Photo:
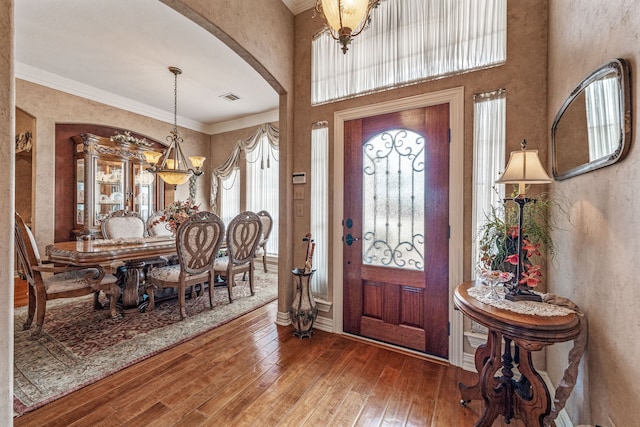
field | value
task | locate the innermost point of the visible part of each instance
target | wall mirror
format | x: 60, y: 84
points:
x: 593, y: 127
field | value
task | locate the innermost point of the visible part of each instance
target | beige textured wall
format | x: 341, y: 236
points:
x: 24, y: 169
x: 49, y: 107
x: 523, y: 77
x: 7, y: 191
x: 598, y: 246
x: 261, y: 32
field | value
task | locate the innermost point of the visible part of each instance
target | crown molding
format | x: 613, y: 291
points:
x: 54, y: 81
x: 72, y: 87
x: 244, y: 122
x: 298, y: 6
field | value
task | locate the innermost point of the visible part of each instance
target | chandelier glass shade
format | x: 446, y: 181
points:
x: 345, y: 18
x: 173, y: 167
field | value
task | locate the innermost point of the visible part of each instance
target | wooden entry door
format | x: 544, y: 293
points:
x: 396, y: 228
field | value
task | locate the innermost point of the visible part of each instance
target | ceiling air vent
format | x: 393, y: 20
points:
x: 230, y: 96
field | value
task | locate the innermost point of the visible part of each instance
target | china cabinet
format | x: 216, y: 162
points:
x: 110, y: 175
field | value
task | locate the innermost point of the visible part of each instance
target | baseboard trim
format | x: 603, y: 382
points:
x: 323, y: 305
x: 282, y: 318
x: 323, y: 324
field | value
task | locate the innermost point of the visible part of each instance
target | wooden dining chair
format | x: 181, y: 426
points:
x: 47, y: 281
x: 197, y: 243
x: 243, y: 236
x: 267, y: 226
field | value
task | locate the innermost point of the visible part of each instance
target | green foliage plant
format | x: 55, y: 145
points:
x: 498, y: 236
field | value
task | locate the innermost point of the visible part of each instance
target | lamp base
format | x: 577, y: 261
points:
x: 520, y: 294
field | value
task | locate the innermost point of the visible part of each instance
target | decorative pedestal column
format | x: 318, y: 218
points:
x: 303, y: 311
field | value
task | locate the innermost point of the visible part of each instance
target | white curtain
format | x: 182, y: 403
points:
x: 242, y: 147
x: 230, y: 196
x: 408, y: 41
x: 603, y: 117
x: 262, y: 185
x: 489, y: 124
x: 319, y: 197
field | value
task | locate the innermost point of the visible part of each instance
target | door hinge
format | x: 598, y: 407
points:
x: 448, y: 329
x: 449, y: 135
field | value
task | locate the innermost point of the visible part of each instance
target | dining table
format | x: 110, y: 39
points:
x: 136, y: 253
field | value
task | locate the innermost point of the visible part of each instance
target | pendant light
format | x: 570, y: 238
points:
x: 173, y: 167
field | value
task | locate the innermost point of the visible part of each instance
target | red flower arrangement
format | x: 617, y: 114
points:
x: 498, y: 240
x: 176, y: 213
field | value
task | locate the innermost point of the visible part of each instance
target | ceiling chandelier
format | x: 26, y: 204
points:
x: 346, y: 18
x: 173, y: 168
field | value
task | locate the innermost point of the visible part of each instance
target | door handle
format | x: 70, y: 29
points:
x: 349, y: 239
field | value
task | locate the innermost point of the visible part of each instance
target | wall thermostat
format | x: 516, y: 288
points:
x: 299, y: 177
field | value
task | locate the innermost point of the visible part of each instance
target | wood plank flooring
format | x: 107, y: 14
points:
x: 251, y: 372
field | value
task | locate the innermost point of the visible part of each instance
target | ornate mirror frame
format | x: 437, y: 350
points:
x: 572, y: 137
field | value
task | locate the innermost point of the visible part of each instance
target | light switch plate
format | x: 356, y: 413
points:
x: 299, y: 177
x: 298, y: 193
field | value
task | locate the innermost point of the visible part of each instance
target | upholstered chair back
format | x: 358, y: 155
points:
x: 267, y: 225
x: 156, y: 226
x: 123, y: 224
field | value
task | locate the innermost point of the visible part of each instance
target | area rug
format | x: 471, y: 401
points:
x: 80, y: 346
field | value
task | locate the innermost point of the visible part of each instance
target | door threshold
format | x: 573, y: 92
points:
x: 398, y: 349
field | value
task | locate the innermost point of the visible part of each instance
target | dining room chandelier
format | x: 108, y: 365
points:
x: 346, y: 18
x: 173, y: 167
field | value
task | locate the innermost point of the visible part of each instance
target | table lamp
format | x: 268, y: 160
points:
x: 524, y: 168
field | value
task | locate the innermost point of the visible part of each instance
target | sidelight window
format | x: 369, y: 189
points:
x: 489, y: 124
x: 320, y: 207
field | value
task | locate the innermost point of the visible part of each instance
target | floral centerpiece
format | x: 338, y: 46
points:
x: 498, y: 240
x: 176, y: 213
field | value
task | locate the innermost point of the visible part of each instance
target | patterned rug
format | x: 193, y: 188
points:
x: 80, y: 345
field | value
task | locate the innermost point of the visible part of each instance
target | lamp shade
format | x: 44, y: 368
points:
x: 152, y: 157
x: 345, y: 13
x: 524, y: 167
x: 174, y: 177
x: 197, y: 161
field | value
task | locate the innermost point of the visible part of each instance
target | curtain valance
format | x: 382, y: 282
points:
x: 242, y: 147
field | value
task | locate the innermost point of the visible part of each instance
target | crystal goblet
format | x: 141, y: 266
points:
x: 494, y: 278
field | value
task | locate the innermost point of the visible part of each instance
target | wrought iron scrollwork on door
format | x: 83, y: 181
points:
x: 393, y: 200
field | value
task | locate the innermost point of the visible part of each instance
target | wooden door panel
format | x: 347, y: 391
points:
x: 402, y: 335
x: 390, y: 275
x: 411, y: 306
x: 392, y: 293
x: 373, y: 299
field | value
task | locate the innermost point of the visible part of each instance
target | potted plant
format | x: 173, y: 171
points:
x: 498, y: 239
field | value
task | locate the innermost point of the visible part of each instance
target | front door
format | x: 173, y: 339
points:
x: 396, y: 227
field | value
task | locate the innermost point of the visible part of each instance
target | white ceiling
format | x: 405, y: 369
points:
x: 118, y: 52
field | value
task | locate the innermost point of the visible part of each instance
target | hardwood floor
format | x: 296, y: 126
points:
x: 251, y: 372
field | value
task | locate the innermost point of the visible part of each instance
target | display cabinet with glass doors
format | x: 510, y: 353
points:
x: 109, y: 176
